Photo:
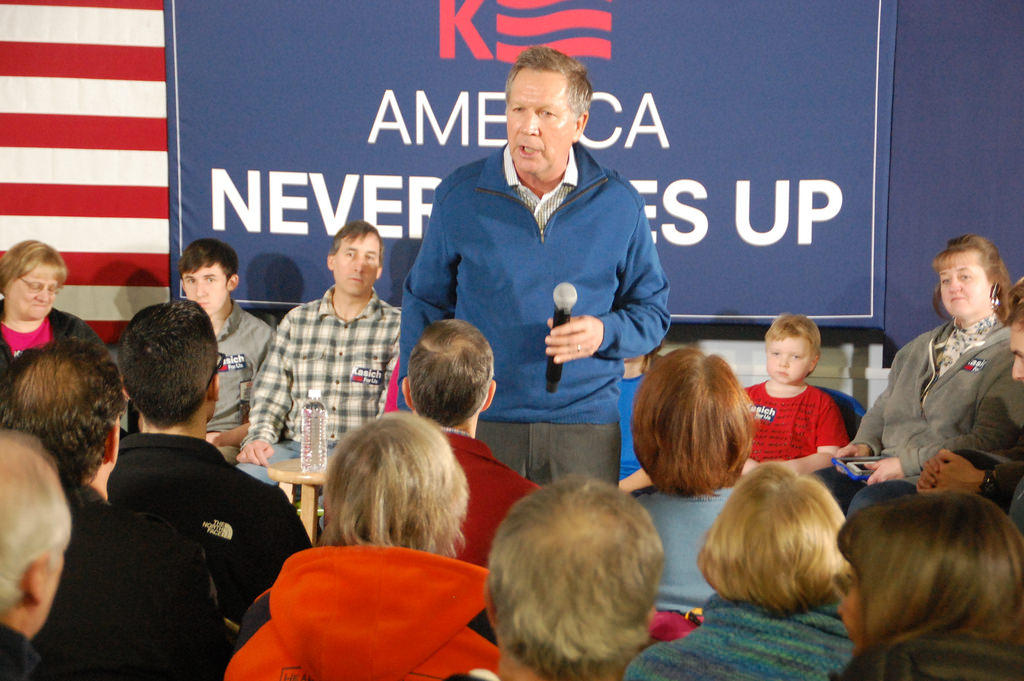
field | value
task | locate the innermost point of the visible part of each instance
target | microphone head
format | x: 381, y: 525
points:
x: 565, y: 296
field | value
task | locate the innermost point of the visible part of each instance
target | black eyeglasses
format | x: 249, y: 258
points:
x: 220, y: 364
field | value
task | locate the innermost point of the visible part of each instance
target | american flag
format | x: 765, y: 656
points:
x: 83, y: 148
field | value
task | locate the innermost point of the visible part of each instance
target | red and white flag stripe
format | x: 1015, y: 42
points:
x: 83, y: 148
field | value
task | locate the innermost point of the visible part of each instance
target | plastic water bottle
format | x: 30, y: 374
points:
x: 313, y: 455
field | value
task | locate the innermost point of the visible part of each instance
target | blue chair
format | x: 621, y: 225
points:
x: 850, y: 409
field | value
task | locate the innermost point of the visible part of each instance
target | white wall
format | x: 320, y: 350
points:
x: 851, y: 361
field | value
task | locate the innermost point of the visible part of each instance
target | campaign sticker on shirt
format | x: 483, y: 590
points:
x: 975, y: 365
x: 234, y: 362
x: 368, y: 376
x: 763, y: 413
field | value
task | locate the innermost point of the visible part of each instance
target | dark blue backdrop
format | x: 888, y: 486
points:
x: 320, y: 107
x: 957, y: 145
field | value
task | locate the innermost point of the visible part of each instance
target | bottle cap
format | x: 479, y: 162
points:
x: 314, y: 394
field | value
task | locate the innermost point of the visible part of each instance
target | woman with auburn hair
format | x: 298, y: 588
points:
x: 949, y: 388
x: 31, y: 275
x: 692, y: 432
x: 771, y: 556
x: 936, y: 590
x: 381, y: 597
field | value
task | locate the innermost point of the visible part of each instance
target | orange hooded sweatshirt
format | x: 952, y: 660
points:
x: 360, y: 612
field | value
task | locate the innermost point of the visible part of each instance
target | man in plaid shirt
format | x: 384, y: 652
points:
x: 345, y: 345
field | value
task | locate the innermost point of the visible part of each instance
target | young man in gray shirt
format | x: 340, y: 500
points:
x: 209, y: 273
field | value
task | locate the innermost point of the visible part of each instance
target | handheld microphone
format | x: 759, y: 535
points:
x: 565, y: 298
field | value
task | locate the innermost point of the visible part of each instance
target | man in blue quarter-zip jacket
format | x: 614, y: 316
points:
x: 506, y: 230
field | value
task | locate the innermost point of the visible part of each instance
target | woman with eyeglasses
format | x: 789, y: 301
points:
x: 31, y: 274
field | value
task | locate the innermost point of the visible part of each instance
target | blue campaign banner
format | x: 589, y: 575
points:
x: 757, y: 133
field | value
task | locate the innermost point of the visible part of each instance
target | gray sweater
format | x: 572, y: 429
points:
x: 974, y: 405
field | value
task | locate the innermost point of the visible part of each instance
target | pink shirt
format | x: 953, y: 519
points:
x: 19, y: 342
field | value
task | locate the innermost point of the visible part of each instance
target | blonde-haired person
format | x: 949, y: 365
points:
x: 936, y: 591
x: 31, y: 275
x: 949, y: 388
x: 797, y: 424
x: 771, y: 555
x: 692, y: 429
x: 381, y: 596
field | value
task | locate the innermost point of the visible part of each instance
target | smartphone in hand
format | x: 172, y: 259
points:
x: 854, y: 466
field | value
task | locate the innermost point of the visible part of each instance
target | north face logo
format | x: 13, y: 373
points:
x: 528, y: 22
x: 219, y: 528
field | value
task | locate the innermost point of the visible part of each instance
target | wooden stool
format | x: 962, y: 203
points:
x: 287, y: 473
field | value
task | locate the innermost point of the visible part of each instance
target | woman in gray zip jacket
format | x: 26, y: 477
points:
x: 950, y: 388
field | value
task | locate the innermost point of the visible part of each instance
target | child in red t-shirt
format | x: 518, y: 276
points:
x: 798, y: 424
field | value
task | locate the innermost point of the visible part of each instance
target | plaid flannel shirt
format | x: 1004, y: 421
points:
x: 350, y: 362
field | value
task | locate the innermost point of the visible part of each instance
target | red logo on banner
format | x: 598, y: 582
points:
x: 529, y: 22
